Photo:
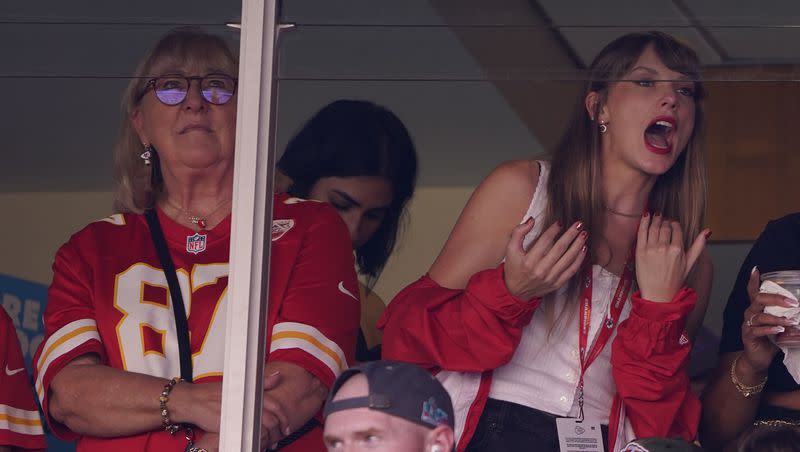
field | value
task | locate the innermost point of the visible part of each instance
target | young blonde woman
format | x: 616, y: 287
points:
x: 572, y: 288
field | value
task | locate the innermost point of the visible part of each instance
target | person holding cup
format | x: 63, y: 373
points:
x: 751, y: 384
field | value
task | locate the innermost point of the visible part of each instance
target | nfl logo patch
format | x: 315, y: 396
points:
x: 281, y: 227
x: 196, y: 243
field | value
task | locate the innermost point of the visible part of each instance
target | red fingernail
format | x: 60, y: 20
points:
x: 708, y: 234
x: 646, y: 214
x: 584, y: 234
x: 579, y: 225
x: 755, y: 269
x: 583, y: 249
x: 658, y: 214
x: 529, y: 220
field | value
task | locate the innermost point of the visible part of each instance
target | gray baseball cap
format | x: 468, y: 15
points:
x: 398, y: 389
x: 661, y: 445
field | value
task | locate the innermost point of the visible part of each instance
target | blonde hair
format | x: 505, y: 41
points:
x: 136, y: 188
x: 574, y: 187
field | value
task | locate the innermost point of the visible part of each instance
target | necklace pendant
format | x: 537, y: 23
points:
x: 201, y: 222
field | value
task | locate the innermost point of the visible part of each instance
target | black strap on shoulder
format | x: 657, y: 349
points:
x: 181, y: 322
x: 294, y: 436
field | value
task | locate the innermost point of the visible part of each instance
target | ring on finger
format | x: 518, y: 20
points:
x: 750, y: 320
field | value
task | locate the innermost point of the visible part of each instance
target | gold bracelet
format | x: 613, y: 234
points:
x: 746, y: 391
x: 162, y: 404
x: 775, y: 423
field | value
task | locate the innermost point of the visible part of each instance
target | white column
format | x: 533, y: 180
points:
x: 250, y: 227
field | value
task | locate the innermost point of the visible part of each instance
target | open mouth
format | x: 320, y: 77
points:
x: 658, y: 135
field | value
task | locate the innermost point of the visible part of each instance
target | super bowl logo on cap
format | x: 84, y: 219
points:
x: 281, y: 227
x: 432, y: 414
x: 196, y: 243
x: 633, y: 446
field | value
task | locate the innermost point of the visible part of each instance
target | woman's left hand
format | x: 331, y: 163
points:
x: 662, y: 262
x: 209, y: 442
x: 274, y: 419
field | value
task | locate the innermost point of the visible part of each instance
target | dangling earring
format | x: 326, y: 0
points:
x: 147, y: 154
x: 603, y: 127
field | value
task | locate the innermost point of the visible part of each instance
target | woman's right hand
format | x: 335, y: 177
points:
x: 757, y: 325
x: 548, y: 264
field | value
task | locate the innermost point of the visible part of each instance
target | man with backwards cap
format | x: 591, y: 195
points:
x: 388, y: 406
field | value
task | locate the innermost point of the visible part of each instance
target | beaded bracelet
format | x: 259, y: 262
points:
x: 162, y: 403
x: 746, y: 391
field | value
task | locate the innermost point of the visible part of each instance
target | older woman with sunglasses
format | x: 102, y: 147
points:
x: 135, y: 323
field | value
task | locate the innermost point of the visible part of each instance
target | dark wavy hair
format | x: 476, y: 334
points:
x: 351, y: 138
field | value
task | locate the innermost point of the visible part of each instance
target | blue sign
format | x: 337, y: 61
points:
x: 24, y: 301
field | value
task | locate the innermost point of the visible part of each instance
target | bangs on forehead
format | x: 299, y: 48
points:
x: 192, y: 53
x: 678, y: 58
x: 618, y: 58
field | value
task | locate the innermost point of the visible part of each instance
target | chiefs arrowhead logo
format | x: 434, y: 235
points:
x: 281, y: 227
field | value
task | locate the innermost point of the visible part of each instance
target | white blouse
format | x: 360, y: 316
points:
x: 544, y: 371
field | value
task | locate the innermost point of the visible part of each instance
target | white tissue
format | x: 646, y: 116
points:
x: 791, y: 356
x: 780, y: 311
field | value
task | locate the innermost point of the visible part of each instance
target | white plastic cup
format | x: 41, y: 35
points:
x: 789, y: 280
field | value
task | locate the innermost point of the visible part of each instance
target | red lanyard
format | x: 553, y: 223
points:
x: 617, y: 303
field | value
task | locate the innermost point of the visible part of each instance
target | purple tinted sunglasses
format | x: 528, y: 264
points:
x: 217, y: 89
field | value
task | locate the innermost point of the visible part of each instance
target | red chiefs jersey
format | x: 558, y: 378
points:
x: 109, y: 296
x: 20, y: 424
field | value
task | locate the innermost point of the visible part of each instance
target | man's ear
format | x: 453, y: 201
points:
x: 441, y: 439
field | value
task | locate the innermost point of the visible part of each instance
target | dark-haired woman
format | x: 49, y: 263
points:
x: 359, y: 157
x: 752, y: 385
x: 570, y: 290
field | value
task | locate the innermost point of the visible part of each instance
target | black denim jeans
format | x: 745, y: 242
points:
x: 510, y: 427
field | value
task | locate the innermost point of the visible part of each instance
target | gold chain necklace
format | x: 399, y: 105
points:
x: 622, y: 214
x: 197, y: 220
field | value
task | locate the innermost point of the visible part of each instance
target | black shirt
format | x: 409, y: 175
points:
x: 777, y: 248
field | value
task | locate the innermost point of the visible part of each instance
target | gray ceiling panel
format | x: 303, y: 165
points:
x: 360, y: 12
x: 759, y: 45
x: 613, y: 13
x: 406, y: 12
x: 746, y: 12
x: 140, y: 11
x: 375, y: 52
x: 587, y: 42
x: 59, y: 50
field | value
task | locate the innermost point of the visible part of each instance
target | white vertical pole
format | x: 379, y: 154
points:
x: 252, y: 214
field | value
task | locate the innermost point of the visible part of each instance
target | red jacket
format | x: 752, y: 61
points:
x: 464, y: 335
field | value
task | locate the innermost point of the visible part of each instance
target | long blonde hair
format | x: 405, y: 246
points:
x: 575, y: 185
x: 135, y: 187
